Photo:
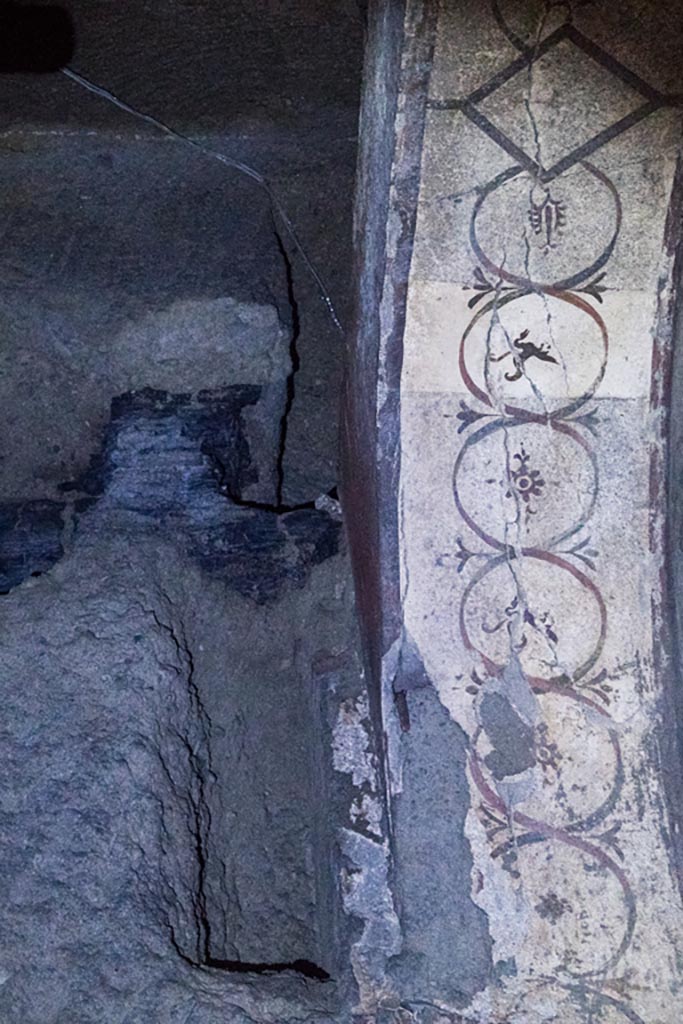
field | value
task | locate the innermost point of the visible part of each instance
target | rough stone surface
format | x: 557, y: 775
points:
x: 446, y: 948
x: 177, y: 821
x: 157, y: 797
x: 119, y: 224
x: 185, y: 465
x: 178, y: 640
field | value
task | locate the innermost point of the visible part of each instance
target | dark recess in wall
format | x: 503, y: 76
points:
x: 34, y: 39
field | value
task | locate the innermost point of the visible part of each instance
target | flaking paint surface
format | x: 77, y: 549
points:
x: 527, y: 443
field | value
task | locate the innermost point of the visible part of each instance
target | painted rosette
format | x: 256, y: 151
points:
x: 573, y: 776
x: 525, y: 484
x: 547, y: 858
x: 582, y: 918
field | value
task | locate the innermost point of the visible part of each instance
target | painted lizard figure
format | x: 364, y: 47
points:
x: 525, y: 350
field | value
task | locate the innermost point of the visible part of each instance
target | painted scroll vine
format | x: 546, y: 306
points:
x: 526, y: 434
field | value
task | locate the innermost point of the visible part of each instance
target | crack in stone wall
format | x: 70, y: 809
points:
x: 179, y: 616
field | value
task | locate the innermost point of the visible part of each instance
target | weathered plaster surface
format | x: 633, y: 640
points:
x: 536, y: 339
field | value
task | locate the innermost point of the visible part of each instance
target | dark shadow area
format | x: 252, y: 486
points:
x: 304, y: 967
x: 35, y: 39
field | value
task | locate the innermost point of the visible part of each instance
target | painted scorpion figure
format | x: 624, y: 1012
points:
x: 547, y: 218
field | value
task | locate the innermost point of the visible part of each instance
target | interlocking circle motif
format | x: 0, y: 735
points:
x: 526, y: 483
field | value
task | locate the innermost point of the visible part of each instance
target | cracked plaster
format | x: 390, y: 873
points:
x: 525, y: 523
